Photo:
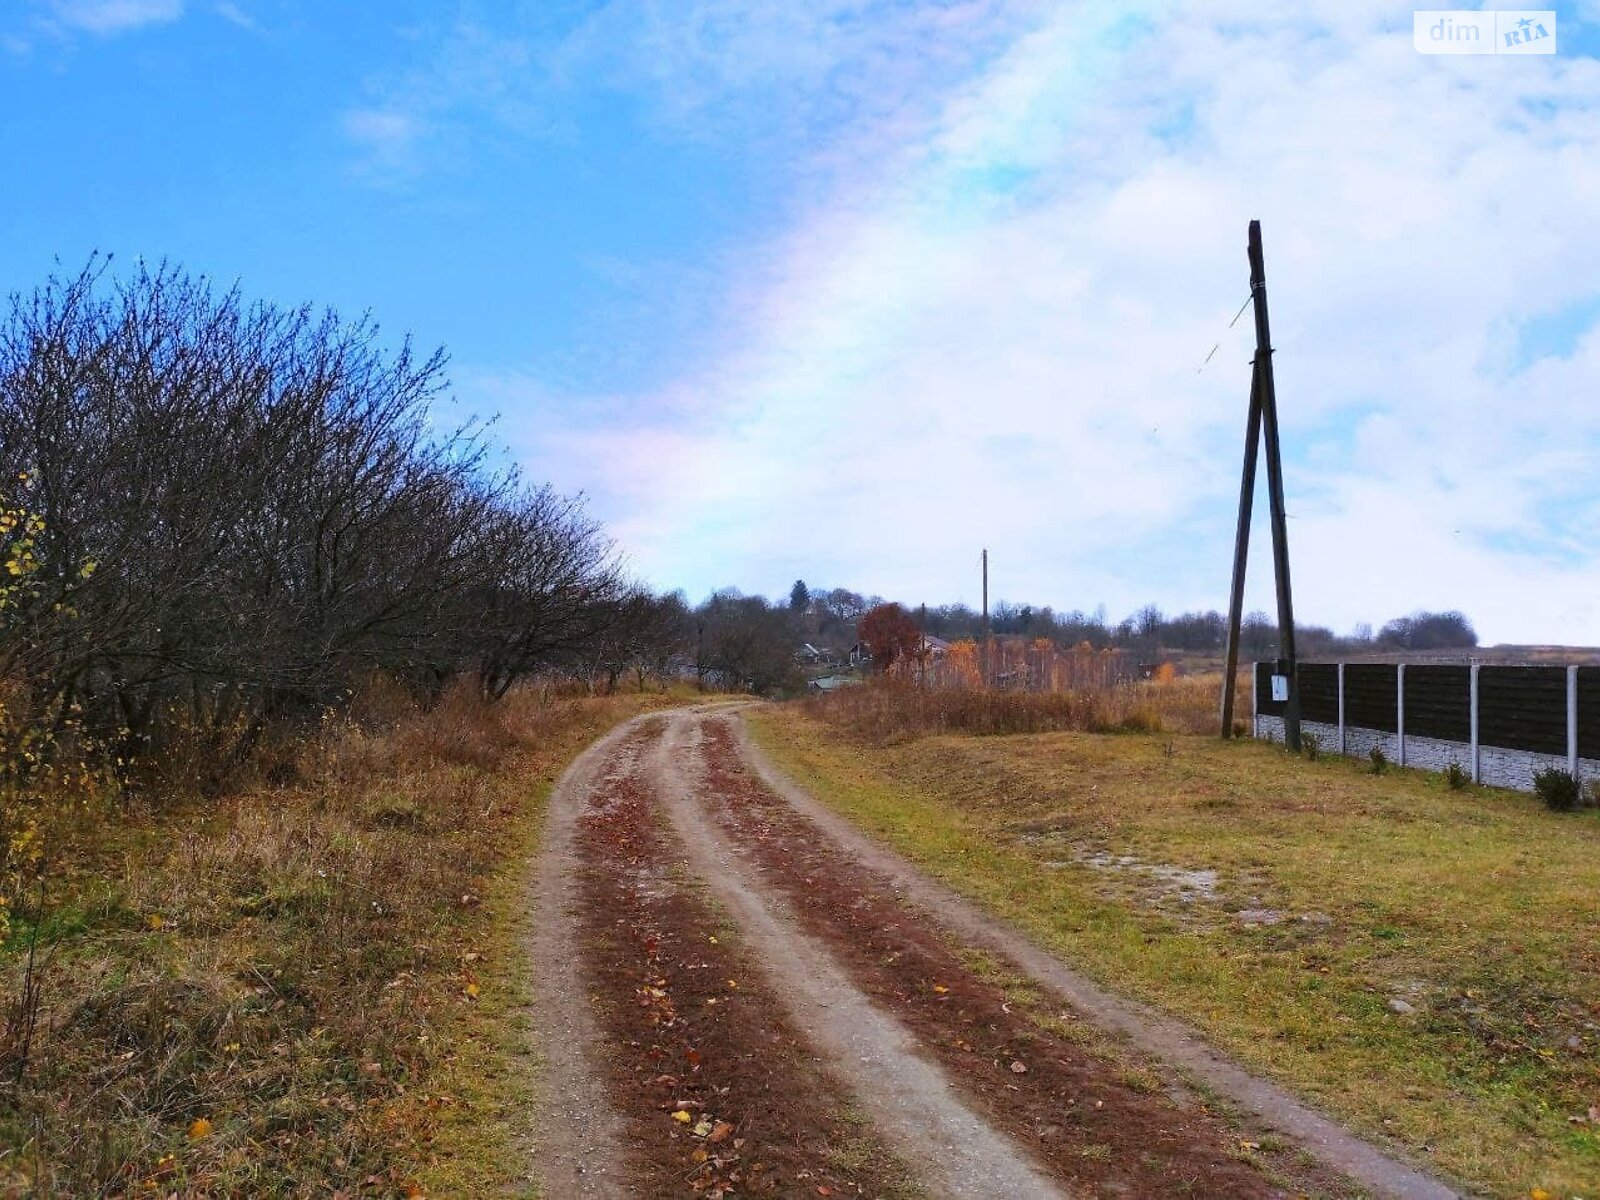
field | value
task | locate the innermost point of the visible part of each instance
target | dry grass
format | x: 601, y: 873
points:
x: 1476, y: 909
x: 300, y: 988
x: 888, y: 711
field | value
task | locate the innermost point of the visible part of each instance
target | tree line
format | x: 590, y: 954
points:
x: 234, y: 511
x: 222, y: 514
x: 831, y: 616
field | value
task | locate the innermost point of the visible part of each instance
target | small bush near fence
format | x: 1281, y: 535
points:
x: 1456, y: 777
x: 1560, y: 791
x: 1380, y: 761
x: 893, y: 710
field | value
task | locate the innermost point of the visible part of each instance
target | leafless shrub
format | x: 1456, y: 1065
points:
x: 269, y: 513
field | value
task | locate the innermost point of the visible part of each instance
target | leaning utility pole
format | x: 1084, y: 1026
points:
x: 1241, y: 553
x: 983, y: 658
x: 922, y: 646
x: 1263, y: 420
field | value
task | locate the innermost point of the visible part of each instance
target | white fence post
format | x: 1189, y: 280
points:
x: 1341, y: 708
x: 1400, y: 708
x: 1255, y: 699
x: 1572, y: 721
x: 1477, y: 772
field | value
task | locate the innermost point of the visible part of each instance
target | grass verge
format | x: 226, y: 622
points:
x: 1420, y: 962
x: 305, y: 988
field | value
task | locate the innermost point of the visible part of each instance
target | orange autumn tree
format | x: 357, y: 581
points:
x: 890, y: 635
x: 961, y: 665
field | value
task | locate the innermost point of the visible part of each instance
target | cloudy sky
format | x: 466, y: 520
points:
x: 849, y: 291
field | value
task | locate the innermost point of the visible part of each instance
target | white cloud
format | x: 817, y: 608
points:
x: 988, y: 333
x: 779, y: 80
x: 387, y: 139
x: 235, y: 15
x: 105, y: 17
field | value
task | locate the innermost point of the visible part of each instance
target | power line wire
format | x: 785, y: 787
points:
x: 1231, y: 324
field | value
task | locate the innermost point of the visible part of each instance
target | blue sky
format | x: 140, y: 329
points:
x: 848, y: 291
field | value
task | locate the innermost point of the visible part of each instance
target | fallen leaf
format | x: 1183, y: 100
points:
x: 940, y: 988
x: 1540, y: 1194
x: 682, y: 1116
x: 155, y: 920
x: 472, y: 991
x: 702, y: 1127
x: 721, y: 1132
x: 199, y: 1129
x: 1019, y: 1067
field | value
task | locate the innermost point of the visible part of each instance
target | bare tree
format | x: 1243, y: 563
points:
x: 746, y: 641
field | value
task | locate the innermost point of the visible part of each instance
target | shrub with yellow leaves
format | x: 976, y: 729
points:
x: 47, y: 768
x: 19, y: 830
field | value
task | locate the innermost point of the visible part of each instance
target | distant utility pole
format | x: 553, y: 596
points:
x: 922, y: 639
x: 983, y: 659
x: 1263, y: 419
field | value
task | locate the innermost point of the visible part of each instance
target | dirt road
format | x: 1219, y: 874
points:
x: 740, y: 996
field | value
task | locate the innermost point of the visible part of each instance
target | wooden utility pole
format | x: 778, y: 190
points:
x: 1241, y: 553
x: 922, y: 646
x: 983, y: 658
x: 1263, y: 416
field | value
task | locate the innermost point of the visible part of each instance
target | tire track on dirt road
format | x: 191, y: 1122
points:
x: 1100, y: 1122
x: 1161, y: 1037
x: 577, y: 1132
x: 671, y: 1070
x: 912, y: 1103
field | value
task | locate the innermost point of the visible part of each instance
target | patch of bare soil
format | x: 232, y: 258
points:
x: 1097, y: 1128
x: 718, y: 1094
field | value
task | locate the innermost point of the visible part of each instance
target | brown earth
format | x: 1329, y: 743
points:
x: 718, y: 1093
x: 743, y: 1007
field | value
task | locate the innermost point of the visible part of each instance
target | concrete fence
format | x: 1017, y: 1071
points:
x: 1502, y: 724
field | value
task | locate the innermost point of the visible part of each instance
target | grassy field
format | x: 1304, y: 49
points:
x: 314, y: 986
x: 1423, y: 962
